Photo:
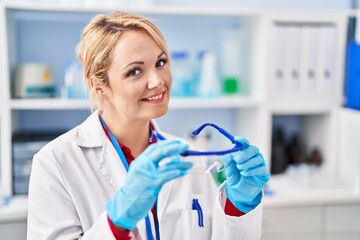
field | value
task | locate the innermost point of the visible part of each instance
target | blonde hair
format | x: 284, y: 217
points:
x: 99, y: 39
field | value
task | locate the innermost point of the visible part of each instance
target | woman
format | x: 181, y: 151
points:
x: 81, y: 184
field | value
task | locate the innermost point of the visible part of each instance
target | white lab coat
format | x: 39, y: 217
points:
x: 77, y: 173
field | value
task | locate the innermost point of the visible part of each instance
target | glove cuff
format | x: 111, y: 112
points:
x: 119, y: 216
x: 245, y: 207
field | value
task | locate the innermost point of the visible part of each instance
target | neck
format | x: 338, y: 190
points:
x: 133, y: 134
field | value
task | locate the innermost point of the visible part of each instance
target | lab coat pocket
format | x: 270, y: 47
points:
x: 196, y: 222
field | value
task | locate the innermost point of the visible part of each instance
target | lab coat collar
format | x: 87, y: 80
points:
x: 89, y: 132
x: 92, y: 135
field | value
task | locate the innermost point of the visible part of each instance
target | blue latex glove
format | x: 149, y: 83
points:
x: 134, y: 200
x: 246, y: 174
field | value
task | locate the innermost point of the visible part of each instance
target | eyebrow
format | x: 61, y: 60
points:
x: 161, y: 54
x: 141, y: 62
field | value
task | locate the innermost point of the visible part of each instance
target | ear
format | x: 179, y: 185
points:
x: 97, y: 87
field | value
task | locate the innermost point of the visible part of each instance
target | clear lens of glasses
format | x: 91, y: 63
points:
x: 214, y: 162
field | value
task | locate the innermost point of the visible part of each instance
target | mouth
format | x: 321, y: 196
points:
x: 155, y: 98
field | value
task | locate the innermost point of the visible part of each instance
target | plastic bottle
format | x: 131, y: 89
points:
x: 279, y: 160
x: 181, y: 74
x: 73, y: 81
x: 209, y: 84
x: 196, y: 65
x: 231, y: 59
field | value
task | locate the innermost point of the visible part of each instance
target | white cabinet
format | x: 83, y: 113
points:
x: 301, y: 222
x: 13, y: 230
x: 349, y: 150
x: 342, y: 221
x: 317, y: 221
x: 13, y: 219
x: 342, y: 237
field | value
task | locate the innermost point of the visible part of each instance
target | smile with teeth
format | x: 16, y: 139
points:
x: 154, y: 97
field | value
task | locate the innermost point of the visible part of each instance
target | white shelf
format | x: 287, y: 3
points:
x: 175, y: 103
x: 287, y: 193
x: 312, y: 197
x: 48, y: 104
x: 299, y: 109
x: 221, y: 102
x: 151, y: 9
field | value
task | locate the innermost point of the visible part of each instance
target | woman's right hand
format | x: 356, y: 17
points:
x: 134, y: 200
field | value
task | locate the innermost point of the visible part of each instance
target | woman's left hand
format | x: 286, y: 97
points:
x: 246, y: 174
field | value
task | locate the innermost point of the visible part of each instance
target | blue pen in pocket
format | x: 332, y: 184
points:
x: 196, y: 206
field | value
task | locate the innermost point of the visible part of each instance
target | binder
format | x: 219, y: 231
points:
x: 276, y: 85
x: 326, y: 59
x: 352, y: 86
x: 309, y: 58
x: 292, y: 59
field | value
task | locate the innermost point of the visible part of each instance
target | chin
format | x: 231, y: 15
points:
x: 160, y: 112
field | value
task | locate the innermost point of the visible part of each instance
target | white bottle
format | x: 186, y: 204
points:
x: 209, y: 84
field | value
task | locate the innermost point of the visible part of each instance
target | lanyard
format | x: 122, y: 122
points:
x: 126, y: 165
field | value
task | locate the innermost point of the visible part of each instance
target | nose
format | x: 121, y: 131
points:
x: 155, y: 80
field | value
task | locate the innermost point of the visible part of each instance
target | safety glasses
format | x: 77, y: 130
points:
x: 237, y: 146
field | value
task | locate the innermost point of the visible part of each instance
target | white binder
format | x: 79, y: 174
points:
x: 326, y: 59
x: 309, y: 59
x: 292, y: 59
x: 276, y: 83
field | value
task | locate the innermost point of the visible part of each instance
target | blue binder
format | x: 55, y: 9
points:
x: 352, y: 86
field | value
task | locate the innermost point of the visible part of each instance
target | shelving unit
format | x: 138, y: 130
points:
x: 26, y: 26
x: 33, y: 30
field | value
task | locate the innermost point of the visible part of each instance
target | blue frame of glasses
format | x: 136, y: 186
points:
x: 237, y: 146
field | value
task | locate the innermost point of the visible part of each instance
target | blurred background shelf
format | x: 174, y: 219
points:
x: 175, y: 103
x: 206, y: 103
x: 49, y: 104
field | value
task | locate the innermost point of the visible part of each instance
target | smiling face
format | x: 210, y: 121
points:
x: 139, y: 79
